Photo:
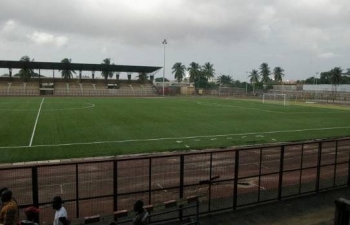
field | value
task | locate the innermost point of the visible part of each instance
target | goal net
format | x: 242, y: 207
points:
x: 231, y: 91
x: 274, y: 98
x: 225, y: 91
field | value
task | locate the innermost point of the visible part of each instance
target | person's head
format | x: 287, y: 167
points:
x: 57, y: 202
x: 6, y: 195
x: 138, y: 206
x: 32, y: 214
x: 3, y: 189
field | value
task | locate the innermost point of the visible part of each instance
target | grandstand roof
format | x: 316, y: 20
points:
x: 76, y: 66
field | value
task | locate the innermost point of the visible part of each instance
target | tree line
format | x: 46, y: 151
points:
x: 334, y: 76
x: 262, y: 78
x: 200, y: 75
x: 203, y: 75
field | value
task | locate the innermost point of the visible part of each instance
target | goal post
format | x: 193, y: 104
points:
x: 225, y: 91
x: 274, y: 98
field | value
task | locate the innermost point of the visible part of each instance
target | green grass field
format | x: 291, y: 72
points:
x: 56, y: 128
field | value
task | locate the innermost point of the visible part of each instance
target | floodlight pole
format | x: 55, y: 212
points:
x: 246, y: 84
x: 164, y: 43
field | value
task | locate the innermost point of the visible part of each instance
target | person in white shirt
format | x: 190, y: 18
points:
x: 61, y: 217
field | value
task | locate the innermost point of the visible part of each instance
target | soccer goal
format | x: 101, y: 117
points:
x: 225, y: 91
x: 274, y: 98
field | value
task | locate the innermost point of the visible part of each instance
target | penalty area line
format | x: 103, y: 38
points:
x: 36, y: 122
x: 175, y: 138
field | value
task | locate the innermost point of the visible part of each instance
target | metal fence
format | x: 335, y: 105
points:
x: 229, y: 179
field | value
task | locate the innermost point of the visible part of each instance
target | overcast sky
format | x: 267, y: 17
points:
x: 301, y: 36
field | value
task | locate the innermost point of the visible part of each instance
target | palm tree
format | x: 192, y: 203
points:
x: 67, y: 73
x: 194, y: 71
x: 26, y: 72
x: 224, y: 80
x: 335, y: 78
x: 336, y: 74
x: 278, y: 73
x: 179, y: 71
x: 208, y: 70
x: 254, y: 78
x: 106, y: 71
x: 265, y: 73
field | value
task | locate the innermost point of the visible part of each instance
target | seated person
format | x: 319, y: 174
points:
x: 142, y: 216
x: 32, y: 214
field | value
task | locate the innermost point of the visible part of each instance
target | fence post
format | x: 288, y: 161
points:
x: 318, y: 167
x: 35, y: 186
x: 210, y: 176
x: 260, y: 168
x: 335, y: 164
x: 341, y: 216
x: 280, y: 180
x: 115, y: 185
x: 182, y: 172
x: 349, y: 170
x: 181, y: 191
x: 77, y: 188
x: 235, y: 188
x: 149, y: 180
x: 197, y: 210
x: 301, y: 167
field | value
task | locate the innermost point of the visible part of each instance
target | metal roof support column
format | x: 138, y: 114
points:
x: 129, y: 76
x: 117, y: 75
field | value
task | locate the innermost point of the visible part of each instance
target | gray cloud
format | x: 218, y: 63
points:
x: 235, y: 35
x: 132, y: 21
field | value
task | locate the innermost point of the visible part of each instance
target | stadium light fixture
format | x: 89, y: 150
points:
x: 164, y: 43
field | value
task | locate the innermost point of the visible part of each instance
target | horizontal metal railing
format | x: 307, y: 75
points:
x: 229, y: 178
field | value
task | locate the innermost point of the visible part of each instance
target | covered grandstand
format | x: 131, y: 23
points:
x: 80, y: 86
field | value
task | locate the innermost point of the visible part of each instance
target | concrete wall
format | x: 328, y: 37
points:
x: 327, y: 87
x: 314, y: 87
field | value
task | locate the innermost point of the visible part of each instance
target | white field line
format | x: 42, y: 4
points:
x: 233, y: 106
x: 89, y: 105
x: 264, y: 110
x: 36, y: 122
x: 176, y: 138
